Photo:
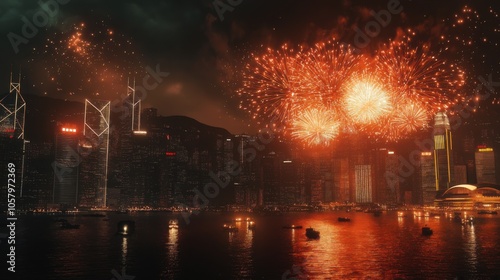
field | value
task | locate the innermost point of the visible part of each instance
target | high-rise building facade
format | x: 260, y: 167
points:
x: 427, y: 178
x: 363, y: 183
x: 485, y: 165
x: 66, y: 166
x: 443, y: 152
x: 341, y: 179
x: 95, y: 150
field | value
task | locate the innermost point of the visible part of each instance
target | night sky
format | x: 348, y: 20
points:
x: 89, y: 49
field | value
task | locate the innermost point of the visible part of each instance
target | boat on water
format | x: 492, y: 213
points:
x: 173, y: 224
x: 126, y: 227
x: 251, y: 225
x: 491, y: 212
x: 312, y: 234
x: 343, y: 219
x: 292, y: 227
x: 468, y: 221
x: 426, y: 230
x: 67, y: 225
x: 230, y: 228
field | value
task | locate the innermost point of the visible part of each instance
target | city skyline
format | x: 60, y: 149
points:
x: 356, y: 170
x: 250, y: 139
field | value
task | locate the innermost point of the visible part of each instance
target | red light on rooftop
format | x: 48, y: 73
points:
x: 70, y: 130
x: 170, y: 154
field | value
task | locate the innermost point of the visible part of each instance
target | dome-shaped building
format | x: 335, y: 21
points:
x: 470, y: 196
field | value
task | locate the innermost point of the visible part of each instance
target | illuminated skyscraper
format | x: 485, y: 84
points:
x: 66, y: 167
x: 427, y: 178
x: 485, y: 165
x: 95, y: 151
x: 443, y: 157
x: 363, y: 183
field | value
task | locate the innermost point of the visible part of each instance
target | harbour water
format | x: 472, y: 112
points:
x: 367, y: 247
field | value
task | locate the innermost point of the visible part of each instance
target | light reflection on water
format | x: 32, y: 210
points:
x: 124, y: 251
x: 172, y: 263
x: 368, y: 247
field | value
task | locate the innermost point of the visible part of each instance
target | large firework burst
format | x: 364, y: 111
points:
x: 315, y: 126
x: 388, y: 96
x: 366, y: 100
x: 419, y: 75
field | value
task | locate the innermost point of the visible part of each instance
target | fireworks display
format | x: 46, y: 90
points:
x: 388, y: 95
x: 85, y: 59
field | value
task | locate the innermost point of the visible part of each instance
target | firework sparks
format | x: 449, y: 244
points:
x: 419, y: 75
x: 270, y: 87
x: 323, y: 70
x: 85, y: 58
x: 405, y: 119
x: 316, y: 126
x: 388, y: 96
x: 366, y: 101
x: 77, y: 43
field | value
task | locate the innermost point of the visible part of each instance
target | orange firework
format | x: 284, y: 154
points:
x: 77, y: 43
x: 281, y: 82
x: 271, y: 86
x: 366, y: 100
x: 421, y: 76
x: 315, y: 126
x: 405, y: 119
x: 324, y: 69
x: 389, y: 96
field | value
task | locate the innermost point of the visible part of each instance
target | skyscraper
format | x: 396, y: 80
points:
x: 66, y: 167
x: 363, y: 183
x: 443, y: 157
x: 485, y: 165
x: 95, y: 151
x: 427, y: 178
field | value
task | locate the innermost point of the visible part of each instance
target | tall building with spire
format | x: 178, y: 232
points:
x: 443, y: 156
x: 12, y: 140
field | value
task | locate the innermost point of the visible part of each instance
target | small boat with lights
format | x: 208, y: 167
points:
x: 173, y: 224
x: 230, y: 228
x: 312, y: 234
x: 251, y: 225
x: 126, y: 227
x: 292, y: 227
x: 468, y: 221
